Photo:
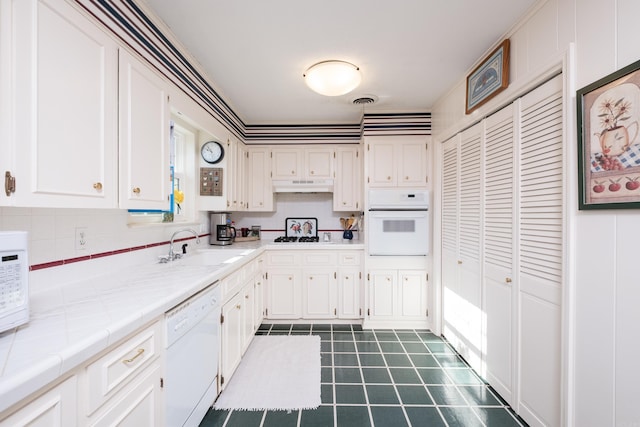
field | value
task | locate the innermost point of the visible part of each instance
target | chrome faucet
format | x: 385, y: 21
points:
x: 172, y: 254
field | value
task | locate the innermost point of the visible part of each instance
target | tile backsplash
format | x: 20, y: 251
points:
x: 55, y: 234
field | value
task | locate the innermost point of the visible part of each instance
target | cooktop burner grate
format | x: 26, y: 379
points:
x: 292, y: 239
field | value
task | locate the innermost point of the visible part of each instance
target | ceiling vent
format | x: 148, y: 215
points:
x: 365, y: 100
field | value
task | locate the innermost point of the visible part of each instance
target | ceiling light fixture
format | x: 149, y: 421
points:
x: 332, y: 78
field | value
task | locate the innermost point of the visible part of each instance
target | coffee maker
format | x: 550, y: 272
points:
x: 222, y: 233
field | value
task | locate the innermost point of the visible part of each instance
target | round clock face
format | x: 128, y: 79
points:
x: 212, y: 152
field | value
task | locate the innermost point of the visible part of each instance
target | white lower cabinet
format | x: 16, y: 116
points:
x: 241, y: 316
x: 349, y: 285
x: 139, y: 405
x: 397, y: 295
x: 232, y: 333
x: 258, y: 301
x: 123, y: 387
x: 314, y: 284
x: 55, y: 407
x: 319, y: 298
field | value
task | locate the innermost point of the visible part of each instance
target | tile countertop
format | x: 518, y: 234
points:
x: 72, y: 323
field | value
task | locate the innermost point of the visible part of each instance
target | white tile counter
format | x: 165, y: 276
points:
x: 70, y: 324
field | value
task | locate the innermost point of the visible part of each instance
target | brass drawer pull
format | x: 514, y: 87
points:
x: 138, y: 354
x: 97, y: 186
x: 508, y: 280
x: 136, y: 190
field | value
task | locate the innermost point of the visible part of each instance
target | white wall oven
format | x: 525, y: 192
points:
x: 398, y: 222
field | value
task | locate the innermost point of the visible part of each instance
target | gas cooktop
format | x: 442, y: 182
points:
x: 293, y: 239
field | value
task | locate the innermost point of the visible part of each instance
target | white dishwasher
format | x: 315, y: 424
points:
x: 192, y: 342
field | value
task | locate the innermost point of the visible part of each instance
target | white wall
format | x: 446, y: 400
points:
x: 602, y: 282
x: 52, y: 238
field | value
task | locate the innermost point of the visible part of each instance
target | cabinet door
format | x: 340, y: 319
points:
x: 382, y: 163
x: 61, y: 121
x: 450, y: 213
x: 232, y: 335
x: 318, y: 163
x: 140, y: 406
x: 258, y: 301
x: 319, y: 294
x: 412, y: 166
x: 240, y: 177
x: 260, y: 197
x: 285, y: 163
x: 56, y: 407
x: 284, y: 294
x: 382, y: 293
x: 499, y: 238
x: 145, y: 181
x: 349, y: 280
x: 347, y: 186
x: 412, y: 288
x: 247, y: 314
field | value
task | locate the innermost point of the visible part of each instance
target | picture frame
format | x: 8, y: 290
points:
x: 609, y: 142
x: 489, y: 78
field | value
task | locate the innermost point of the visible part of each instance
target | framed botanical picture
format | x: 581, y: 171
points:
x: 489, y: 78
x: 608, y: 141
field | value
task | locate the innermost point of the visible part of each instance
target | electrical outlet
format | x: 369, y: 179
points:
x: 81, y: 239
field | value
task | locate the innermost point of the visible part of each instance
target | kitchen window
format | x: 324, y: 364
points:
x: 181, y: 206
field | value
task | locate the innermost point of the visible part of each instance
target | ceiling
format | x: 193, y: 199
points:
x: 410, y: 52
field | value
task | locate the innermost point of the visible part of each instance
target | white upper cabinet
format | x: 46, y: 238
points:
x: 302, y: 163
x: 59, y: 107
x: 236, y: 172
x: 318, y: 162
x: 347, y: 186
x: 145, y: 179
x: 286, y: 163
x: 397, y: 161
x: 260, y: 193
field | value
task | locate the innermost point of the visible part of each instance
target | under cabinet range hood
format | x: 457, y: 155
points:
x: 303, y: 186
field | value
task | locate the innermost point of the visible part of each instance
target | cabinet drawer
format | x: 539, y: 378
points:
x: 327, y: 258
x: 231, y: 283
x: 284, y: 258
x: 119, y: 366
x: 349, y: 258
x: 138, y: 405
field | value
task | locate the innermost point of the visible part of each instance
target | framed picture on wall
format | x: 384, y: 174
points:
x: 489, y: 78
x: 608, y: 141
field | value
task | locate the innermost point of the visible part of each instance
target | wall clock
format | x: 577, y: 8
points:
x: 212, y: 152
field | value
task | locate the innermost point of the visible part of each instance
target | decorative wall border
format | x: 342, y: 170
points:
x: 67, y: 261
x: 127, y: 21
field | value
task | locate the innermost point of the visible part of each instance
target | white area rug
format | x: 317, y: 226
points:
x: 278, y: 372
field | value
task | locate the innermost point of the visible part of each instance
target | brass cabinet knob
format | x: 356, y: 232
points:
x: 136, y: 190
x: 508, y: 280
x: 238, y: 306
x: 388, y: 178
x: 312, y: 172
x: 459, y: 262
x: 97, y: 186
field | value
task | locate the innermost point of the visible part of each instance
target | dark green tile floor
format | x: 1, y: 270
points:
x: 384, y: 378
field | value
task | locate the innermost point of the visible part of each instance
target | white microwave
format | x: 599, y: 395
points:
x: 14, y: 279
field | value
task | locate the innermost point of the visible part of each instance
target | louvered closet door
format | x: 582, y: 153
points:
x: 499, y: 249
x: 470, y: 225
x: 541, y: 253
x: 450, y: 200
